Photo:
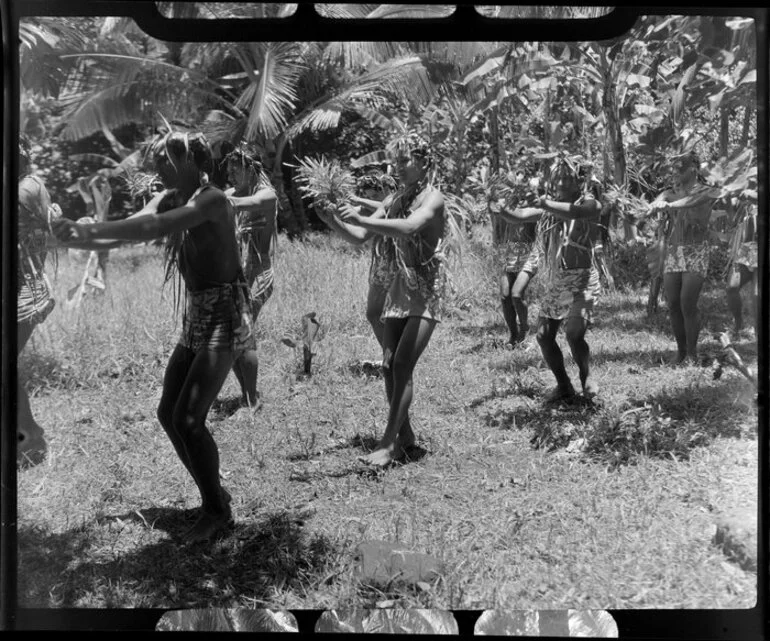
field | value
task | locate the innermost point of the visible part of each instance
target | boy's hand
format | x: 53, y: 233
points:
x: 349, y: 214
x: 67, y: 231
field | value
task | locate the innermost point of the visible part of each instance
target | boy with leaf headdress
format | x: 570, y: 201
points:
x: 202, y: 249
x: 568, y: 219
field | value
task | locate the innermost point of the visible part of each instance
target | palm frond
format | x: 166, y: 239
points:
x: 393, y: 76
x: 271, y: 94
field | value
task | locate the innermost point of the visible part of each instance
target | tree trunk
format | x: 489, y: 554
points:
x: 615, y: 136
x: 494, y: 130
x: 724, y: 131
x: 287, y: 216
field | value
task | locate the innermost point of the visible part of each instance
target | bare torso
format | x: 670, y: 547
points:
x: 209, y: 253
x: 431, y: 235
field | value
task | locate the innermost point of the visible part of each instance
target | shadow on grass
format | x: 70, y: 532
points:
x: 38, y: 370
x: 255, y: 560
x: 670, y: 424
x: 712, y: 307
x: 656, y: 358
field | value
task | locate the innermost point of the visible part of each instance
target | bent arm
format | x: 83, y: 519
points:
x: 418, y: 220
x: 262, y: 202
x: 352, y: 233
x: 371, y: 205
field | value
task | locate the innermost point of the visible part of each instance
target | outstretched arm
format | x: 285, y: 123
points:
x: 146, y: 226
x: 420, y: 218
x: 588, y: 208
x: 519, y: 215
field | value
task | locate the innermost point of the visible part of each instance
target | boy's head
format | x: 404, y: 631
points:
x: 243, y: 164
x: 375, y: 186
x: 685, y: 168
x: 178, y: 156
x: 412, y: 157
x: 564, y: 181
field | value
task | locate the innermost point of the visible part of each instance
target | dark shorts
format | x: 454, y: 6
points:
x: 219, y: 320
x: 571, y: 293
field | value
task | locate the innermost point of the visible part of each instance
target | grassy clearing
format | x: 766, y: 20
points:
x: 526, y: 507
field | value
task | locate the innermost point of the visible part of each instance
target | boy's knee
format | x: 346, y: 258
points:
x: 575, y: 330
x: 373, y: 316
x: 186, y: 423
x: 544, y: 334
x: 387, y: 360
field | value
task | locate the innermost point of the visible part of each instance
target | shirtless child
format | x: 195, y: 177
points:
x: 687, y: 209
x: 202, y: 247
x: 518, y: 271
x: 567, y: 232
x: 414, y: 227
x: 255, y: 205
x: 744, y: 263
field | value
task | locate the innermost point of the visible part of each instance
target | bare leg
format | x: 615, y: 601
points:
x: 509, y: 312
x: 375, y: 300
x: 31, y: 445
x: 691, y: 287
x: 246, y: 370
x: 733, y: 295
x: 173, y: 380
x: 546, y: 338
x: 672, y: 285
x: 575, y: 329
x: 520, y: 304
x: 374, y: 303
x: 205, y: 377
x: 404, y: 341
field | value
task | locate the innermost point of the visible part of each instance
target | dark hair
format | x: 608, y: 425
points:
x: 245, y: 156
x: 375, y: 180
x: 176, y: 146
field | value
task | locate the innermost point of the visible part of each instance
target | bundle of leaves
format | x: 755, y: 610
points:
x: 327, y: 182
x: 649, y: 429
x: 627, y: 205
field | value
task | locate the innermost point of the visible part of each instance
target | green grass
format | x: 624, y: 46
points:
x: 527, y: 507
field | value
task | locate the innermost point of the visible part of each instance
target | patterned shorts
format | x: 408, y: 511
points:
x: 571, y: 293
x: 687, y: 258
x: 516, y: 256
x: 748, y: 255
x: 419, y: 292
x: 217, y: 319
x: 34, y: 301
x: 261, y: 290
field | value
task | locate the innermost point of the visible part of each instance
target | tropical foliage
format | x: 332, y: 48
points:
x: 492, y: 110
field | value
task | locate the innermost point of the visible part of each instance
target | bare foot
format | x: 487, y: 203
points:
x: 208, y: 526
x: 254, y: 403
x: 590, y: 389
x: 381, y: 457
x: 560, y: 393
